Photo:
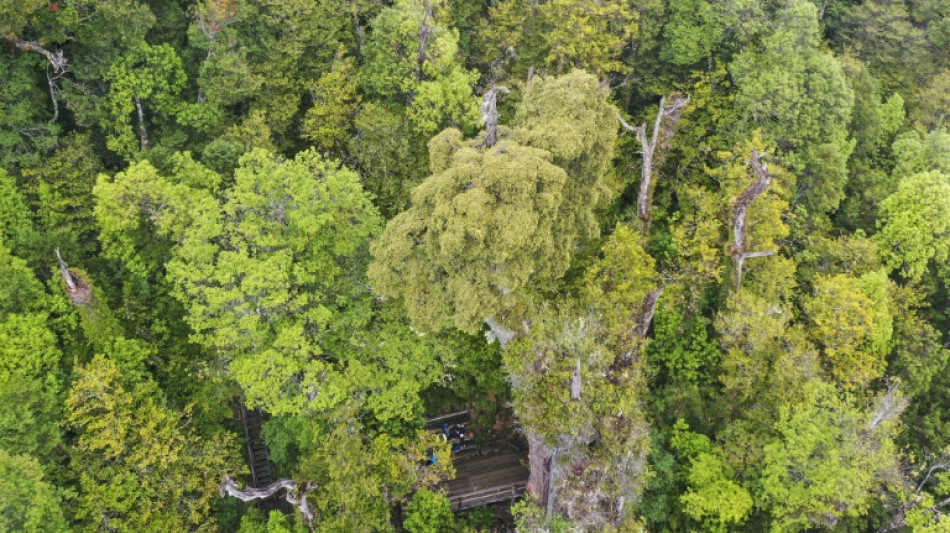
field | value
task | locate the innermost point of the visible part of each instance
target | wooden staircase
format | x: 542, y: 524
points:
x: 261, y: 472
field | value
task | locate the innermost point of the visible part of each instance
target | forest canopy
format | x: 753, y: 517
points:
x: 683, y: 264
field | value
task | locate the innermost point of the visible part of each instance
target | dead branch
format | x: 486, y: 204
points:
x: 143, y: 134
x: 889, y: 407
x: 296, y: 494
x: 662, y: 137
x: 741, y: 207
x: 489, y: 111
x: 56, y: 60
x: 70, y: 282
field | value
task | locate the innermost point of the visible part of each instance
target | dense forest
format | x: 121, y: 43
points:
x: 691, y: 257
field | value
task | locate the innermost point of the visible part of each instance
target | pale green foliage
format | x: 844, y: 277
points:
x: 915, y: 225
x: 825, y: 463
x: 713, y: 498
x: 852, y: 328
x: 30, y: 504
x: 570, y: 117
x: 139, y: 467
x: 477, y: 233
x: 493, y: 223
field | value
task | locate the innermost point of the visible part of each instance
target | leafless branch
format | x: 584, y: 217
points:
x: 70, y: 282
x: 296, y: 494
x: 661, y: 137
x: 741, y: 207
x: 57, y: 61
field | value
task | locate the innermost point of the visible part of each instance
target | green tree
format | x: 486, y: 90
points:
x: 31, y: 380
x: 429, y: 512
x: 826, y: 463
x: 915, y: 225
x: 139, y: 466
x: 411, y: 57
x: 494, y: 222
x: 30, y: 503
x: 797, y: 93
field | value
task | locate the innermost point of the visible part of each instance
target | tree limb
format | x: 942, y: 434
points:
x: 56, y: 60
x: 425, y: 31
x: 500, y: 333
x: 661, y: 137
x: 295, y: 498
x: 741, y: 207
x: 649, y: 307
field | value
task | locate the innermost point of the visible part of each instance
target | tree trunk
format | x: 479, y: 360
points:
x: 143, y: 134
x: 490, y: 114
x: 541, y: 457
x: 739, y: 253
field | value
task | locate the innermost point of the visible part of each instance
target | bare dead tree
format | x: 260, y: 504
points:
x: 741, y: 207
x: 296, y: 494
x: 77, y: 290
x: 67, y: 277
x: 661, y: 137
x: 489, y: 111
x: 58, y: 63
x: 889, y: 406
x: 143, y: 134
x: 899, y: 520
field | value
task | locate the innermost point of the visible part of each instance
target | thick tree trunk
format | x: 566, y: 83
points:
x: 490, y: 114
x: 541, y: 459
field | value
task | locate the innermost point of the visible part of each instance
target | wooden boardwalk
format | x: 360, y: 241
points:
x: 483, y: 479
